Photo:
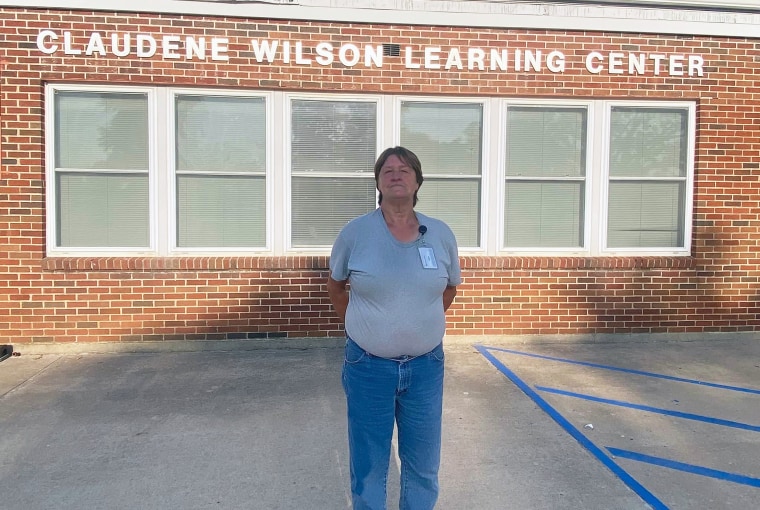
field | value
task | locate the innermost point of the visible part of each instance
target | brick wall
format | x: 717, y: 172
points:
x: 138, y: 299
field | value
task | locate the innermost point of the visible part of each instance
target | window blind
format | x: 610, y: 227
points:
x: 545, y: 177
x: 448, y: 139
x: 221, y: 171
x: 101, y: 169
x: 333, y: 150
x: 647, y: 166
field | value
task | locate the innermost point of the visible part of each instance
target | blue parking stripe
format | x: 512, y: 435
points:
x: 630, y: 371
x: 688, y: 468
x: 679, y: 414
x: 631, y: 482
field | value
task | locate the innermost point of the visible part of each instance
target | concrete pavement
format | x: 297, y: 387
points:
x: 621, y: 425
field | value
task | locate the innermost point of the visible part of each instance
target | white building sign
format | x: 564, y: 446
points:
x: 272, y: 51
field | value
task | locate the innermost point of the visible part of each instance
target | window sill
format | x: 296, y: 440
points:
x: 74, y: 264
x: 550, y: 262
x: 321, y: 262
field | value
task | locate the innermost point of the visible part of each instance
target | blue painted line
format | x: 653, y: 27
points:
x: 668, y: 412
x: 630, y: 371
x: 687, y: 468
x: 631, y: 482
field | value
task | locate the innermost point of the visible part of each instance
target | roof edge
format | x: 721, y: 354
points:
x: 539, y: 15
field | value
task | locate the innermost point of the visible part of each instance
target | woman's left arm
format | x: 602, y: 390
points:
x: 448, y: 296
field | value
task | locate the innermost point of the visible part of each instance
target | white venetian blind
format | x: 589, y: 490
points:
x: 448, y: 140
x: 545, y: 177
x: 333, y: 148
x: 543, y: 214
x: 647, y: 165
x: 101, y: 169
x: 221, y: 171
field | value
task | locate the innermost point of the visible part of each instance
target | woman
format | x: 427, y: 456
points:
x: 403, y: 270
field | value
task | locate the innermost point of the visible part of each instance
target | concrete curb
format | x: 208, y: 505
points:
x: 451, y: 342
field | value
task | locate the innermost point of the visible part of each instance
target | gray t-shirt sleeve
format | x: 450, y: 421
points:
x: 339, y: 256
x: 450, y: 245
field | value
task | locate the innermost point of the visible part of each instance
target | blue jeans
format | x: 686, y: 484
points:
x: 408, y: 390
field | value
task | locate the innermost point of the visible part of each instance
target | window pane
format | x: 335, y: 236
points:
x: 455, y: 201
x: 102, y: 210
x: 546, y: 142
x: 221, y: 137
x: 221, y: 211
x: 221, y: 134
x: 542, y: 214
x: 446, y: 137
x: 648, y: 142
x: 323, y: 205
x: 333, y: 136
x: 95, y: 130
x: 646, y: 214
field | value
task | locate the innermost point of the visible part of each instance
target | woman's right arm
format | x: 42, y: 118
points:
x: 338, y: 293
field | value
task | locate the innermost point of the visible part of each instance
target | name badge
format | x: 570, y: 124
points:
x: 427, y: 256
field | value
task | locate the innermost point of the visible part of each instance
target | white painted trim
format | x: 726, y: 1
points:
x: 694, y: 4
x: 593, y: 211
x: 169, y: 220
x: 50, y: 173
x: 486, y: 102
x: 539, y: 15
x: 50, y: 195
x: 604, y: 178
x: 287, y: 170
x: 279, y: 181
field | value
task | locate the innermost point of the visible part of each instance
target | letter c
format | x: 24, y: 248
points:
x: 42, y: 39
x: 594, y: 67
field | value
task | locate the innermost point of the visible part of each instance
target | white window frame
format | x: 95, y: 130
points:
x: 486, y: 105
x: 604, y: 179
x: 172, y: 176
x: 162, y: 179
x: 501, y: 184
x: 597, y: 179
x: 50, y: 173
x: 287, y: 187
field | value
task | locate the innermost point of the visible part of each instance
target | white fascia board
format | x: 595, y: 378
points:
x: 539, y: 15
x: 752, y: 5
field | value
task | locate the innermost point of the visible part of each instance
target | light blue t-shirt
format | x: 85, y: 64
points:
x: 395, y: 304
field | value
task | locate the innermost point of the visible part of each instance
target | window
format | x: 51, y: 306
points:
x: 448, y: 139
x: 220, y: 158
x: 333, y: 146
x: 101, y: 169
x: 647, y: 177
x: 594, y: 178
x: 168, y: 171
x: 545, y: 185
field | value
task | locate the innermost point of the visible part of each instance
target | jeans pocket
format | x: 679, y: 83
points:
x: 354, y: 353
x: 437, y: 353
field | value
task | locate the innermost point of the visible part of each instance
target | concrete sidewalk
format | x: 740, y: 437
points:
x: 265, y: 429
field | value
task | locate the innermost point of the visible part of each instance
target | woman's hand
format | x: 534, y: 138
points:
x: 448, y: 296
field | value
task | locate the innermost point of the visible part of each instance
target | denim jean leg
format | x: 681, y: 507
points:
x: 370, y: 386
x: 418, y: 417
